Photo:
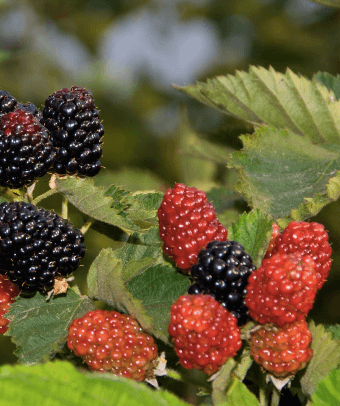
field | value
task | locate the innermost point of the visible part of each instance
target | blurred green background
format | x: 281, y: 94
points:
x: 129, y: 52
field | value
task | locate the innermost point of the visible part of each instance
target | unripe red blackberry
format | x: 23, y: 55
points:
x: 76, y: 132
x: 187, y: 222
x: 282, y: 351
x: 222, y: 271
x: 112, y: 342
x: 36, y: 246
x: 283, y: 289
x: 272, y: 243
x: 205, y: 335
x: 307, y: 239
x: 8, y: 291
x: 26, y: 151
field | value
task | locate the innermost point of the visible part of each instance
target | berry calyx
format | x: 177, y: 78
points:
x: 187, y: 223
x: 26, y: 151
x: 76, y: 132
x: 282, y: 351
x: 222, y: 271
x: 283, y: 289
x: 36, y: 246
x: 307, y: 239
x: 8, y: 291
x: 205, y: 335
x: 108, y: 341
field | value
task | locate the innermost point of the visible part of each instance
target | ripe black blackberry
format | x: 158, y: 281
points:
x: 76, y: 132
x: 8, y: 103
x: 36, y: 246
x: 26, y: 151
x: 222, y: 271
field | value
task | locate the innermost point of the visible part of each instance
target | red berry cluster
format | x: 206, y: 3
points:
x: 112, y: 342
x: 187, y: 223
x: 8, y: 291
x: 204, y: 333
x: 282, y: 292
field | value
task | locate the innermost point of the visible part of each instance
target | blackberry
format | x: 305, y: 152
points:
x: 76, y: 132
x: 222, y: 271
x: 8, y: 103
x: 26, y: 151
x: 36, y: 246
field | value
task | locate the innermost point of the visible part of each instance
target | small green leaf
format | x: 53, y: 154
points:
x: 39, y: 328
x: 326, y: 357
x: 285, y: 175
x: 59, y: 383
x: 238, y: 394
x: 327, y: 392
x: 92, y: 201
x: 331, y: 82
x: 253, y: 230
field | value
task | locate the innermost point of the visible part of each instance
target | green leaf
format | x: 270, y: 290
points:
x: 145, y: 292
x: 238, y: 394
x: 268, y: 97
x: 331, y: 82
x: 335, y: 330
x: 285, y: 175
x: 157, y: 288
x: 253, y: 230
x: 326, y: 357
x: 329, y: 3
x: 59, y: 383
x: 39, y: 328
x: 327, y: 392
x: 222, y: 198
x: 92, y: 201
x: 231, y: 370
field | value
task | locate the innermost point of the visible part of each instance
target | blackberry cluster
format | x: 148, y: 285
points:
x: 222, y: 271
x: 26, y: 151
x: 76, y: 132
x: 8, y: 103
x: 36, y: 246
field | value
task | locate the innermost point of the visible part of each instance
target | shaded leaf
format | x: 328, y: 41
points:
x: 285, y: 175
x: 253, y: 230
x: 222, y: 198
x: 59, y: 383
x: 326, y: 357
x: 39, y: 327
x: 331, y: 82
x: 268, y: 97
x: 238, y: 394
x: 327, y: 392
x: 335, y: 330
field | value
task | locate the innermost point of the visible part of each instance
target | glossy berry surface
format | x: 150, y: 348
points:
x: 76, y: 132
x: 36, y: 246
x: 222, y: 271
x: 308, y: 239
x: 8, y: 291
x: 8, y: 103
x: 187, y: 222
x: 282, y: 351
x: 205, y: 335
x: 112, y: 342
x: 26, y: 151
x: 283, y: 289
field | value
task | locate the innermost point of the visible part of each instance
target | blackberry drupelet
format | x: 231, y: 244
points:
x: 222, y: 271
x: 76, y: 132
x: 36, y: 246
x: 26, y: 151
x: 8, y: 103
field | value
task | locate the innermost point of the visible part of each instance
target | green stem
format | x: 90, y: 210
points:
x: 275, y: 397
x: 44, y: 196
x: 64, y: 208
x: 183, y: 378
x: 263, y: 396
x: 86, y: 226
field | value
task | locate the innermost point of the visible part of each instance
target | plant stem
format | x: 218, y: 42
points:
x: 64, y: 208
x: 275, y: 397
x: 44, y: 196
x: 86, y: 226
x: 263, y: 396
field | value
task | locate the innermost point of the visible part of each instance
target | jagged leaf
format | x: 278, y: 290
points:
x: 145, y: 292
x: 327, y: 392
x: 253, y: 231
x: 280, y: 172
x: 39, y: 327
x: 230, y: 370
x: 331, y: 82
x: 92, y: 201
x: 268, y: 97
x: 326, y: 357
x: 157, y: 288
x: 335, y: 330
x: 59, y: 383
